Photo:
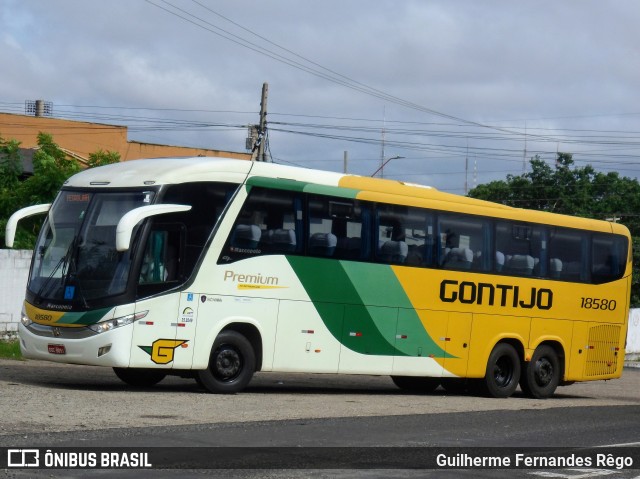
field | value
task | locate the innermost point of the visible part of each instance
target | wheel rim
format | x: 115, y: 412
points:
x: 227, y: 364
x: 543, y: 372
x: 503, y: 372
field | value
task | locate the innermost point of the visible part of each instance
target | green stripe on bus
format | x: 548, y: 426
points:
x: 372, y: 299
x: 377, y: 284
x: 88, y: 317
x: 277, y: 183
x: 301, y: 186
x: 331, y: 191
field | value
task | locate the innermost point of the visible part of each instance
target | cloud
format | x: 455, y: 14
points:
x: 550, y: 68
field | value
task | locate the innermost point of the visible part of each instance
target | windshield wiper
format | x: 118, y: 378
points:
x: 64, y: 260
x: 72, y: 272
x: 46, y: 282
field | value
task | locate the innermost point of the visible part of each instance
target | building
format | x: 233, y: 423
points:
x: 78, y: 139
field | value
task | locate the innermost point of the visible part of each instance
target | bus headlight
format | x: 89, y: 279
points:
x: 24, y: 318
x: 111, y: 324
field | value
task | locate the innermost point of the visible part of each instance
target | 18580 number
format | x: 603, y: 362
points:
x: 598, y: 303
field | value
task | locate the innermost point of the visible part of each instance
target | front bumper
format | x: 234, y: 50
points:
x: 81, y: 345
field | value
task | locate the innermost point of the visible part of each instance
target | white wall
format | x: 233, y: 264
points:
x: 14, y: 270
x: 633, y: 335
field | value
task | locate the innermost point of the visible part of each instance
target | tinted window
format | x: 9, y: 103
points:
x: 404, y: 235
x: 323, y: 226
x: 520, y: 249
x: 568, y: 255
x: 464, y: 242
x: 207, y: 201
x: 277, y: 222
x: 609, y: 256
x: 350, y: 222
x: 270, y: 222
x: 176, y: 241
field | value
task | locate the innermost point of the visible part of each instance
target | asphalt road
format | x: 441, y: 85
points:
x: 49, y: 405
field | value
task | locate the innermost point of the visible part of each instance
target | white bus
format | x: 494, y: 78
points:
x: 217, y: 268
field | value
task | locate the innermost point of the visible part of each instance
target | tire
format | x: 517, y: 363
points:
x: 140, y: 378
x: 231, y: 364
x: 416, y: 384
x: 541, y: 375
x: 503, y: 372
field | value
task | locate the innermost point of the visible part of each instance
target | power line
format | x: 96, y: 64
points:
x: 310, y: 67
x: 619, y: 151
x: 617, y: 142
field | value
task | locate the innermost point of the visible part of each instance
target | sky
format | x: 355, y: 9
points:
x: 458, y: 93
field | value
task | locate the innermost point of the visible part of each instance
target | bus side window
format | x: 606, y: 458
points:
x: 464, y: 242
x: 351, y: 225
x: 392, y: 247
x: 207, y: 200
x: 520, y: 249
x: 322, y: 241
x: 608, y: 256
x: 154, y: 265
x: 161, y: 262
x: 270, y: 222
x: 568, y: 253
x: 404, y: 235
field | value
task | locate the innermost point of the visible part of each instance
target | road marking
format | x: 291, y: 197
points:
x: 623, y: 444
x: 581, y: 473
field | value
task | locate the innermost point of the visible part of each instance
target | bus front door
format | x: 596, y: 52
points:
x: 164, y: 337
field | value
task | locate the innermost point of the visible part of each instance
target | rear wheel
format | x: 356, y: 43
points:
x: 541, y: 375
x: 141, y: 378
x: 503, y: 371
x: 231, y: 364
x: 416, y: 384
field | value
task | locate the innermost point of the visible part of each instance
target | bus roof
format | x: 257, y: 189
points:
x: 159, y: 171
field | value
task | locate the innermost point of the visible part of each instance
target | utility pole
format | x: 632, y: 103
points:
x: 381, y: 169
x: 262, y: 127
x: 345, y: 160
x: 524, y: 154
x: 466, y: 171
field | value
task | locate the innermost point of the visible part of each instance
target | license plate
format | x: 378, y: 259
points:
x: 57, y: 349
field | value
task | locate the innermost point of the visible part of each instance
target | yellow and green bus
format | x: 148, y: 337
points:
x: 217, y: 268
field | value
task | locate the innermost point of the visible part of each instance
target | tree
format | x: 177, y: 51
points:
x: 10, y: 163
x: 101, y: 158
x: 10, y: 171
x: 577, y: 191
x: 51, y: 168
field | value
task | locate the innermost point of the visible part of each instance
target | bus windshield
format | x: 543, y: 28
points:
x: 75, y: 257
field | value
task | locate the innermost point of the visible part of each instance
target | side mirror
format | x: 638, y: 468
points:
x: 133, y: 217
x: 12, y: 224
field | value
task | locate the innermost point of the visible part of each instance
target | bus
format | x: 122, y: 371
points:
x: 217, y: 268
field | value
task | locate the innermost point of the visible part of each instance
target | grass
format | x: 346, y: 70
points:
x: 10, y: 349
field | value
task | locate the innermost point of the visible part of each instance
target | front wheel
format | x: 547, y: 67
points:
x: 140, y: 378
x: 541, y: 375
x: 231, y: 364
x: 503, y: 371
